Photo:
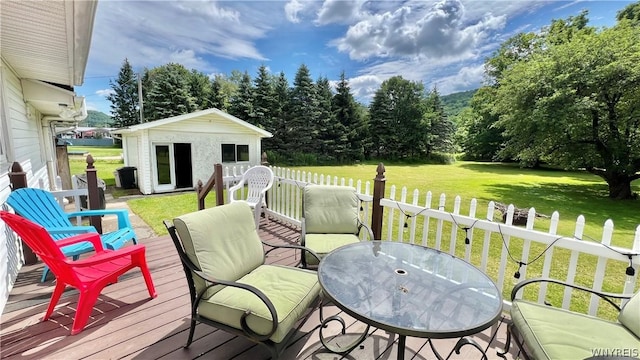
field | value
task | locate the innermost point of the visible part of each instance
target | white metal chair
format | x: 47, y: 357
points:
x: 258, y: 180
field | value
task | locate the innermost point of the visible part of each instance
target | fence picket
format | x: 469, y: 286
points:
x: 598, y: 277
x: 425, y: 225
x: 548, y: 256
x: 440, y: 222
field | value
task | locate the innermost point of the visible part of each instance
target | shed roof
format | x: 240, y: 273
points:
x: 209, y: 113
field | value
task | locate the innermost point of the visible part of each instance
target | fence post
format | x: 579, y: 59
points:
x: 93, y: 195
x: 219, y: 186
x: 18, y: 180
x: 378, y: 193
x: 263, y: 159
x: 199, y: 190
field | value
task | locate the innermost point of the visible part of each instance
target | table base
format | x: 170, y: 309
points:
x: 338, y: 348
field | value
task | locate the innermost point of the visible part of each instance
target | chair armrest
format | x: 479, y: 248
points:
x: 71, y: 230
x: 369, y: 231
x: 243, y: 320
x: 93, y: 238
x: 285, y: 246
x: 603, y: 295
x: 232, y: 190
x: 107, y: 255
x: 122, y: 214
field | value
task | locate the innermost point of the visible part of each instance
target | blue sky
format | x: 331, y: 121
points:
x: 440, y: 43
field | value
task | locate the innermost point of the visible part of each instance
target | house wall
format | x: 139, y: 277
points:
x: 21, y: 138
x: 205, y: 137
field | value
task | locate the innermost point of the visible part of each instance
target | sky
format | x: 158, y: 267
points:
x: 442, y: 44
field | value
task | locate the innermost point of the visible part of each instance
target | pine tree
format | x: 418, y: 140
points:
x: 169, y: 93
x: 240, y: 104
x: 441, y: 129
x: 280, y: 115
x: 124, y: 99
x: 200, y: 89
x: 346, y: 112
x: 264, y: 99
x: 216, y: 97
x: 332, y: 139
x: 301, y: 127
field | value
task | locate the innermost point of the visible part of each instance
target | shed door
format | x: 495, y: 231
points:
x: 164, y: 167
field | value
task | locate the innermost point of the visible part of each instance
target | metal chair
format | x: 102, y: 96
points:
x: 330, y: 219
x: 258, y: 180
x: 230, y: 286
x: 90, y: 275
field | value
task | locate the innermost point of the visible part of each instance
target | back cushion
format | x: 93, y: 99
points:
x: 222, y: 241
x: 330, y: 209
x: 630, y: 315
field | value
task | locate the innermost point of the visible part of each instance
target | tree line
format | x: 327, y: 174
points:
x: 312, y: 122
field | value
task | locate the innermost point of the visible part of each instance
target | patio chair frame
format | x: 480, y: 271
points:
x: 190, y: 268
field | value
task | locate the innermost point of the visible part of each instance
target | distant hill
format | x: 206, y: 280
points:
x: 97, y: 119
x: 454, y: 103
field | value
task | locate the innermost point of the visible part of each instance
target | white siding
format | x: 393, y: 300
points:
x: 24, y: 145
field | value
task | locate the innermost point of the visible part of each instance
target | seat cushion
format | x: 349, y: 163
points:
x: 554, y: 333
x: 330, y: 209
x: 291, y: 290
x: 630, y: 315
x: 323, y: 244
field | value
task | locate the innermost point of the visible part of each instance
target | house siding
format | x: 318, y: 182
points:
x: 21, y: 130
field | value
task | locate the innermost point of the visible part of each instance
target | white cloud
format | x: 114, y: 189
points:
x: 105, y: 92
x: 467, y: 78
x: 364, y: 87
x: 338, y: 11
x: 291, y: 10
x: 152, y: 33
x: 439, y: 31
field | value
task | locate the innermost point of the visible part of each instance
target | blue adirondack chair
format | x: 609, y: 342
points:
x: 41, y: 207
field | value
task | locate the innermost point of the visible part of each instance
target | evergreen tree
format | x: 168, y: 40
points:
x: 216, y: 97
x: 301, y: 126
x: 440, y: 128
x: 240, y: 104
x: 264, y: 99
x: 397, y: 118
x: 280, y: 115
x: 332, y: 138
x: 346, y: 112
x: 169, y: 93
x: 124, y: 99
x: 200, y: 89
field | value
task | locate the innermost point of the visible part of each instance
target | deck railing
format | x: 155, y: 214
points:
x: 490, y: 242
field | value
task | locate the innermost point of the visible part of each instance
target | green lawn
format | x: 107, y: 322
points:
x: 97, y: 151
x: 102, y: 162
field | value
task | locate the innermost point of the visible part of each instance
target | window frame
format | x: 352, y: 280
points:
x: 238, y: 150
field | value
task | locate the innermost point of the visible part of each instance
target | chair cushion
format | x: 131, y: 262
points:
x: 291, y: 290
x: 554, y: 333
x: 330, y: 209
x: 323, y: 244
x: 630, y: 315
x: 222, y: 241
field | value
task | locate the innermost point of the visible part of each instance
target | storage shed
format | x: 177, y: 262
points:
x: 174, y: 153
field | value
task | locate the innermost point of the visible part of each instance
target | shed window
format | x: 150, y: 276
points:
x: 235, y: 153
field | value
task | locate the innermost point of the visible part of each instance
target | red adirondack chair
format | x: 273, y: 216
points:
x: 89, y: 275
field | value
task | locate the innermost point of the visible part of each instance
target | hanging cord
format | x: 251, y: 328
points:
x: 407, y: 215
x: 630, y: 271
x: 466, y: 229
x: 521, y: 263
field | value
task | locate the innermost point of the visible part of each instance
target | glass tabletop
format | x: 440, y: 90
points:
x: 410, y: 289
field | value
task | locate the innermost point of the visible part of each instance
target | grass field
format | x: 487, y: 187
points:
x: 104, y: 162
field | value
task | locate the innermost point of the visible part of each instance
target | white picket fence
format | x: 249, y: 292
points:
x: 428, y: 226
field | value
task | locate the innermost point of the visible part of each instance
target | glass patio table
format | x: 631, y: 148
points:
x: 409, y: 290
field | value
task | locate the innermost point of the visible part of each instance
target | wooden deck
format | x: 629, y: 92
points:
x: 126, y: 324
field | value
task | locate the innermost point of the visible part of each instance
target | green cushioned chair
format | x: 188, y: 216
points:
x: 330, y: 219
x: 231, y: 287
x: 545, y: 332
